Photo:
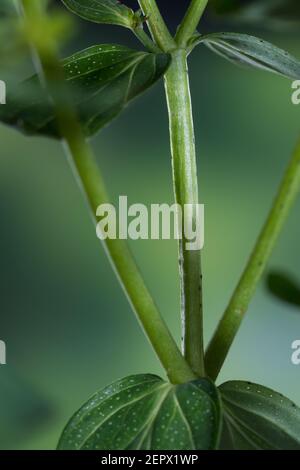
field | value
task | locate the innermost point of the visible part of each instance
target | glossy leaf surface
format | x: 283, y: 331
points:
x: 250, y: 51
x: 102, y: 11
x: 102, y: 80
x: 144, y: 412
x: 257, y: 418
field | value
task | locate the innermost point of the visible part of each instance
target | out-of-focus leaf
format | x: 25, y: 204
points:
x: 257, y: 418
x: 284, y: 288
x: 249, y: 51
x: 102, y: 80
x: 103, y: 11
x: 268, y: 14
x: 14, y: 37
x: 144, y: 412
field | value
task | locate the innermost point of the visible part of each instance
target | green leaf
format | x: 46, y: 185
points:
x: 283, y: 287
x: 242, y: 49
x: 103, y: 11
x: 102, y: 80
x: 144, y: 412
x: 256, y: 417
x: 268, y: 14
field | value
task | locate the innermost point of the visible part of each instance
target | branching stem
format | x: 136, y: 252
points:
x: 91, y: 182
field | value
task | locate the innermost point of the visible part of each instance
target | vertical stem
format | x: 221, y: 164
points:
x: 186, y: 192
x: 91, y: 182
x: 239, y: 303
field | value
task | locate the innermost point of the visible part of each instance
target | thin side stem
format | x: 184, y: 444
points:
x: 91, y: 182
x: 186, y: 192
x: 190, y: 21
x: 146, y: 40
x: 239, y: 303
x: 157, y: 25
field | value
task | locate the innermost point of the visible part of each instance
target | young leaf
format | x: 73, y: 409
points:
x: 103, y: 11
x: 102, y: 80
x: 283, y: 287
x: 257, y: 418
x: 144, y: 412
x: 242, y: 49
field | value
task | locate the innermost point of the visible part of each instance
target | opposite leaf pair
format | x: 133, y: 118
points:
x: 144, y: 412
x: 103, y: 79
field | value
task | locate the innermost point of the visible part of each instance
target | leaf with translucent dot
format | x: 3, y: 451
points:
x: 257, y: 418
x: 144, y: 412
x: 250, y: 51
x: 101, y: 81
x: 103, y: 11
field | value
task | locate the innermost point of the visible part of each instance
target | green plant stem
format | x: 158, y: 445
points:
x: 145, y: 40
x: 190, y: 21
x: 186, y: 192
x: 239, y: 303
x: 157, y: 26
x: 90, y: 180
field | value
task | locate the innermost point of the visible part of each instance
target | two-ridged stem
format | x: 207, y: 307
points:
x: 184, y: 174
x: 186, y: 195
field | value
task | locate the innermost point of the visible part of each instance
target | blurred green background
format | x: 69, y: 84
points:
x: 67, y: 325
